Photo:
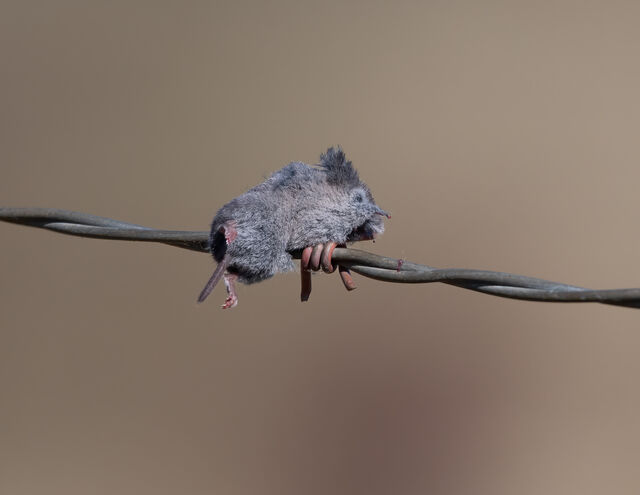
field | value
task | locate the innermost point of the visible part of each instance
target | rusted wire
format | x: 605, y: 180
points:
x: 367, y: 264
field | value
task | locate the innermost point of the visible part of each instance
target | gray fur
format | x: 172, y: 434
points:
x: 298, y: 206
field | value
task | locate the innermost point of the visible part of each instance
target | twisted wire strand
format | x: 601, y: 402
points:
x: 362, y: 262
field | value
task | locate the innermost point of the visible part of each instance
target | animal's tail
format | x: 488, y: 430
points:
x: 215, y: 278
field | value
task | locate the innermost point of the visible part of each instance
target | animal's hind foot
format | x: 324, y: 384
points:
x: 232, y: 298
x: 230, y: 302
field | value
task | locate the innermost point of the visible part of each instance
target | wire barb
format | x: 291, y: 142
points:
x: 367, y: 264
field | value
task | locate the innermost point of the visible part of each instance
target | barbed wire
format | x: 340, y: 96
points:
x: 370, y: 265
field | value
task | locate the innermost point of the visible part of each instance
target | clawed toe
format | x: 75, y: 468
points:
x: 305, y: 285
x: 305, y: 258
x: 319, y: 256
x: 327, y: 252
x: 345, y: 275
x: 316, y: 257
x: 231, y: 302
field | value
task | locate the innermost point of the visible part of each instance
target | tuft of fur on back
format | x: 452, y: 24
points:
x: 339, y: 170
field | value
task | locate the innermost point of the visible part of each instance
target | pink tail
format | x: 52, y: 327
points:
x: 215, y: 278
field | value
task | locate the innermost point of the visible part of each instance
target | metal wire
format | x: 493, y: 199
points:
x: 367, y: 264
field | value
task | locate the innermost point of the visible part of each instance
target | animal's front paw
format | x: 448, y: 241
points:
x: 316, y: 257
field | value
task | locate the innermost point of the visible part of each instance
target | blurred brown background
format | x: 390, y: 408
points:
x: 501, y: 135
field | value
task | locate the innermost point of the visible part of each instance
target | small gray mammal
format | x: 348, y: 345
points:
x: 300, y: 207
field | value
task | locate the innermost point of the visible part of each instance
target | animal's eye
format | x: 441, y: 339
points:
x: 358, y: 197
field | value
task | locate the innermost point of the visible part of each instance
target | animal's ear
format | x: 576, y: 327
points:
x: 339, y: 170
